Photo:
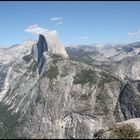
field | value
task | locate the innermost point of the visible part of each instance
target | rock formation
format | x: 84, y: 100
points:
x: 58, y: 97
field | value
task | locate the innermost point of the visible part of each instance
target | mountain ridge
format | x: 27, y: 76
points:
x: 59, y: 97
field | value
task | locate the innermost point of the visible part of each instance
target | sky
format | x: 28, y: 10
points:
x: 73, y: 22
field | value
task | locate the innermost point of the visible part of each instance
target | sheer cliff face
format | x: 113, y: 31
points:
x: 50, y: 43
x: 61, y: 98
x: 54, y: 44
x: 47, y: 42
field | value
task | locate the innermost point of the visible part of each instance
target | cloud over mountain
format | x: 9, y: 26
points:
x: 36, y: 30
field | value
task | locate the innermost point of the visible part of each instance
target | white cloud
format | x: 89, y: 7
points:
x: 57, y: 20
x: 36, y: 30
x: 83, y: 38
x: 134, y: 33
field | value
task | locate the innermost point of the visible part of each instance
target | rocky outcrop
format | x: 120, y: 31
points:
x: 129, y: 129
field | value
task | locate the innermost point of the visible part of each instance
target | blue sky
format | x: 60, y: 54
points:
x: 75, y: 22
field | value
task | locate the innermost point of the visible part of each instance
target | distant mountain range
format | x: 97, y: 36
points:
x: 105, y: 52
